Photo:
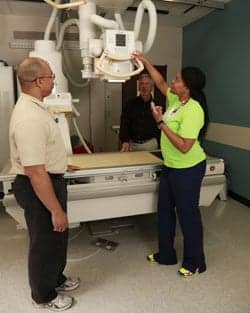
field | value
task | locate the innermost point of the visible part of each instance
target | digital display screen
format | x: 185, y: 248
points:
x: 120, y: 40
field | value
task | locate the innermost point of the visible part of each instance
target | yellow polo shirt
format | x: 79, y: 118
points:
x: 186, y: 122
x: 35, y: 138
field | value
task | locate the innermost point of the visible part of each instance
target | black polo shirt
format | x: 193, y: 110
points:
x: 137, y: 122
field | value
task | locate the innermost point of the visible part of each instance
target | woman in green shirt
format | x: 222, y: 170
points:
x: 182, y: 124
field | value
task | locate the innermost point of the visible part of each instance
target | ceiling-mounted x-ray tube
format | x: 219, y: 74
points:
x: 109, y: 56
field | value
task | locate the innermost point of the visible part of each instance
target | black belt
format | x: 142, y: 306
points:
x: 56, y: 176
x: 141, y: 141
x: 51, y: 175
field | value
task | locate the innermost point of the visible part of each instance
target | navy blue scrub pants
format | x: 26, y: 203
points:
x: 47, y: 248
x: 179, y: 192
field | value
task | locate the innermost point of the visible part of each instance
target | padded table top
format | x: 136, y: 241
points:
x: 113, y: 159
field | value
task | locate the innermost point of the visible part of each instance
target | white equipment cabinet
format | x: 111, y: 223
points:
x: 6, y: 107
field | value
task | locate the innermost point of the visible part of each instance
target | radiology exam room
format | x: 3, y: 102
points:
x: 150, y: 101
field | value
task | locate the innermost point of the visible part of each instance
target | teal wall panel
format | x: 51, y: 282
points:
x: 220, y: 44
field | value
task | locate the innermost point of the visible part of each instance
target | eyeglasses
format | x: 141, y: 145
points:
x: 52, y: 76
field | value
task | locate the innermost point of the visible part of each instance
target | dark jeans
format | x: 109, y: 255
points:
x: 47, y: 249
x: 180, y: 189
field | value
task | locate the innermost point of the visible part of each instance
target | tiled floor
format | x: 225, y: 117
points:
x: 123, y: 281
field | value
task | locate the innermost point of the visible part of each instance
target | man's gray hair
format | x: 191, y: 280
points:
x: 145, y: 75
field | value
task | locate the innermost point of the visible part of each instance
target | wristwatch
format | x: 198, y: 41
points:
x: 160, y: 124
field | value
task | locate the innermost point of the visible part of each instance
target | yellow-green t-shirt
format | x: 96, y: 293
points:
x: 186, y: 122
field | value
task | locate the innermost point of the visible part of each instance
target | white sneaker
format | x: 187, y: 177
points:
x: 60, y: 303
x: 69, y: 284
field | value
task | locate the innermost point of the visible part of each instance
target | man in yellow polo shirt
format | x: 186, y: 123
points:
x: 38, y: 158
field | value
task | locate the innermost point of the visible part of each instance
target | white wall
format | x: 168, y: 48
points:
x: 100, y: 103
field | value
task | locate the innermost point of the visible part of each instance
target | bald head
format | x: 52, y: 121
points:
x: 36, y: 77
x: 30, y: 69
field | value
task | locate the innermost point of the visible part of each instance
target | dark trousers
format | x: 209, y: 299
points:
x: 47, y: 249
x: 180, y: 189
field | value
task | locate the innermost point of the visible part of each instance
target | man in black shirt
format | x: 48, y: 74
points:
x: 138, y: 130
